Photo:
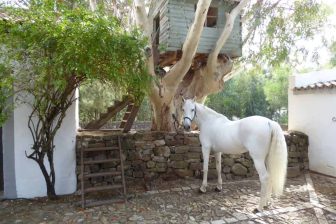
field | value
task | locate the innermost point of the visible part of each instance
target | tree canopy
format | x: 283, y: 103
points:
x: 255, y: 92
x: 48, y: 50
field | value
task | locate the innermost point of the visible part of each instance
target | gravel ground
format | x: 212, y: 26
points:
x: 179, y: 201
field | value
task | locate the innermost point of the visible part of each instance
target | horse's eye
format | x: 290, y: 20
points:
x: 192, y: 110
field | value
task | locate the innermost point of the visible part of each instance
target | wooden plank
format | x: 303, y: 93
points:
x: 103, y: 188
x: 87, y: 162
x: 82, y: 174
x: 122, y: 169
x: 97, y: 124
x: 131, y: 118
x: 102, y: 174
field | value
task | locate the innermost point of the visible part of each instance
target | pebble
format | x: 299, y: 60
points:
x: 185, y: 206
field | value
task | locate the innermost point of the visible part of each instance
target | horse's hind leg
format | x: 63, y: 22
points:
x: 218, y: 157
x: 264, y: 179
x: 206, y: 153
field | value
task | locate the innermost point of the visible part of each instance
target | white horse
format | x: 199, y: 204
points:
x: 260, y: 136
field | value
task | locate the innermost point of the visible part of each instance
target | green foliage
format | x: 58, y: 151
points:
x: 52, y: 52
x: 276, y: 28
x: 94, y: 98
x: 276, y: 90
x: 255, y: 93
x: 73, y: 44
x: 333, y: 52
x: 145, y: 111
x: 242, y: 96
x: 6, y: 90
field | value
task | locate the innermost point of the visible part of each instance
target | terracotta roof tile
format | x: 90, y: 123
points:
x: 318, y: 85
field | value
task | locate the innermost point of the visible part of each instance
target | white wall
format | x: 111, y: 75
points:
x: 313, y: 112
x: 29, y: 181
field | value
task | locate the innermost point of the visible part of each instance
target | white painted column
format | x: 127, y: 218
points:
x: 25, y: 179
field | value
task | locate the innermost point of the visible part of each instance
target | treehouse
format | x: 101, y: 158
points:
x: 172, y: 19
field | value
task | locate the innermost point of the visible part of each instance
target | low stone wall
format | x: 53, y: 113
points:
x: 149, y: 155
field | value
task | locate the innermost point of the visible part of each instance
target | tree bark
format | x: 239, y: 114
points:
x: 51, y: 193
x: 180, y: 80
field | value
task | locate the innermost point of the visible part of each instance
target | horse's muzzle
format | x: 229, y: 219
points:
x: 187, y: 127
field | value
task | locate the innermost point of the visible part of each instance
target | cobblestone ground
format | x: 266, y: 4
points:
x: 309, y: 198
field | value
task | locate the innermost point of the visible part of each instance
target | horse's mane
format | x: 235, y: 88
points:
x: 212, y: 112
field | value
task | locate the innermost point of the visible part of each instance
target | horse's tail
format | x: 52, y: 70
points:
x: 277, y: 159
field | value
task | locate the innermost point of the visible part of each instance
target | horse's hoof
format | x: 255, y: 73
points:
x: 217, y: 189
x: 202, y: 191
x: 256, y: 211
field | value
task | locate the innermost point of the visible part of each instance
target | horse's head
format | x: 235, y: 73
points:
x: 189, y: 112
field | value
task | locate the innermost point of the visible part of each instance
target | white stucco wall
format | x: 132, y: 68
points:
x: 29, y: 181
x: 313, y: 112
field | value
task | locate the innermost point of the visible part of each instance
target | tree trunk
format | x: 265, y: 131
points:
x: 51, y: 193
x: 180, y: 80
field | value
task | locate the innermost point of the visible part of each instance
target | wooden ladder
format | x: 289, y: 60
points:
x: 129, y: 117
x: 84, y: 175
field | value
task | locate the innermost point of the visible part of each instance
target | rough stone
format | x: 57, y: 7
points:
x: 181, y: 149
x: 194, y: 155
x: 226, y: 169
x: 159, y: 142
x: 177, y: 157
x: 161, y: 165
x: 194, y: 141
x: 293, y: 171
x: 239, y: 169
x: 195, y: 149
x: 179, y: 164
x: 155, y: 151
x: 159, y: 159
x: 228, y: 161
x: 184, y: 172
x: 196, y: 166
x: 150, y: 164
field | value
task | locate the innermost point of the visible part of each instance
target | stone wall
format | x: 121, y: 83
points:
x: 150, y: 155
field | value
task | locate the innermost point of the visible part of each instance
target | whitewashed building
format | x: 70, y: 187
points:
x: 22, y: 177
x: 312, y: 110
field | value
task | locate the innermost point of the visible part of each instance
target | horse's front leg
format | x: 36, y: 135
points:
x: 206, y: 153
x: 218, y: 157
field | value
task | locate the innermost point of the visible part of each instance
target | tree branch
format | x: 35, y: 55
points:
x: 145, y: 22
x: 230, y: 18
x: 142, y: 19
x: 176, y: 74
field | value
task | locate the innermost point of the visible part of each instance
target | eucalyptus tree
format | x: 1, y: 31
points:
x: 271, y: 32
x: 49, y: 51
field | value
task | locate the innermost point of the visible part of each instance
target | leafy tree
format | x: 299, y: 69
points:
x: 56, y: 51
x: 242, y: 96
x: 333, y: 52
x: 276, y: 91
x: 272, y: 32
x: 95, y: 98
x: 255, y: 92
x: 6, y: 90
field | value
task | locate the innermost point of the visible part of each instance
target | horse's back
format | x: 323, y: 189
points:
x: 256, y: 132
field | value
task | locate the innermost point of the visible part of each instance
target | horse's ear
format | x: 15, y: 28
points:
x: 194, y: 99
